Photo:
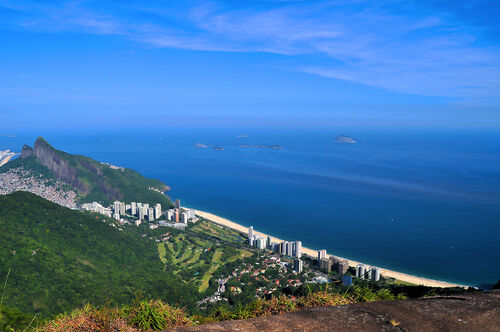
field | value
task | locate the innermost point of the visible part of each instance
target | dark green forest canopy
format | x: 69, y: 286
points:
x: 60, y: 259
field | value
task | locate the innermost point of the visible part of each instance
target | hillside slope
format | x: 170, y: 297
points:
x: 91, y: 180
x: 60, y: 258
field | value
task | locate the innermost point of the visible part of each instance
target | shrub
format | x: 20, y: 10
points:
x: 155, y: 315
x: 89, y: 318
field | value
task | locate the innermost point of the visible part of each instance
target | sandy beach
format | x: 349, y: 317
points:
x: 5, y: 160
x: 313, y: 253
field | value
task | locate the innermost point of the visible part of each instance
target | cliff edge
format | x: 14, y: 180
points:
x: 478, y: 311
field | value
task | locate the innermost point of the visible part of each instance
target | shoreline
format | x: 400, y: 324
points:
x: 5, y: 160
x: 313, y: 253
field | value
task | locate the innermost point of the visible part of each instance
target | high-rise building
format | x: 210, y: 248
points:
x: 375, y: 273
x: 298, y: 249
x: 325, y: 264
x: 298, y: 265
x: 177, y: 204
x: 275, y: 247
x: 268, y: 243
x: 190, y: 214
x: 260, y: 243
x: 122, y: 208
x: 151, y: 214
x: 133, y: 208
x: 170, y: 215
x: 289, y: 249
x: 342, y: 266
x: 116, y: 207
x: 176, y: 215
x: 141, y: 212
x: 157, y: 211
x: 321, y: 254
x: 116, y: 216
x: 360, y: 271
x: 146, y: 206
x: 184, y: 218
x: 281, y: 245
x: 250, y: 235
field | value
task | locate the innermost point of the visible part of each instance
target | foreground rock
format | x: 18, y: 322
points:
x: 467, y: 312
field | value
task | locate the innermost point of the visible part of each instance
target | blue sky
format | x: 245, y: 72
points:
x: 249, y: 63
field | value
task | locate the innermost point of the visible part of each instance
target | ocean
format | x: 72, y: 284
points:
x: 422, y: 202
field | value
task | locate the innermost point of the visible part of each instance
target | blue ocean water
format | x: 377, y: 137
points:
x: 424, y: 202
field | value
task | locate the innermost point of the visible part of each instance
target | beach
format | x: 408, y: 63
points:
x: 5, y: 160
x: 313, y: 253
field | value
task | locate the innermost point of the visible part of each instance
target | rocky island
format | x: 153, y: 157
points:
x: 344, y: 139
x: 259, y: 146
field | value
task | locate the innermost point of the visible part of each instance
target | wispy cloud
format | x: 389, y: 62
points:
x: 396, y: 45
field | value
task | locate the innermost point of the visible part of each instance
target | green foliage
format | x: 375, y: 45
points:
x: 273, y: 306
x: 60, y: 258
x: 366, y: 294
x: 13, y: 319
x: 155, y: 315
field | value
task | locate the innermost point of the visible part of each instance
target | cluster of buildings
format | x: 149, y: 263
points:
x: 286, y: 248
x: 367, y: 272
x: 291, y: 249
x: 21, y: 180
x: 178, y: 214
x: 325, y: 263
x: 333, y: 263
x: 340, y: 265
x: 258, y: 274
x: 98, y: 208
x: 141, y: 210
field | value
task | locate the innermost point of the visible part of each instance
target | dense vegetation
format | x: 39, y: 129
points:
x: 60, y: 259
x: 54, y: 260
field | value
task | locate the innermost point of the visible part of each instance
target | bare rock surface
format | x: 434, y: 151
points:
x: 479, y: 311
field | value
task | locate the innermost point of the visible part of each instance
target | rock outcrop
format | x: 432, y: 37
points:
x: 50, y: 158
x: 478, y: 311
x: 93, y: 181
x: 26, y: 152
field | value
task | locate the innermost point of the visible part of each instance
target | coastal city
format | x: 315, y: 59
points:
x: 137, y: 213
x: 325, y: 263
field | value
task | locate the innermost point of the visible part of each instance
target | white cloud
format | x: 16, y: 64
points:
x: 398, y: 46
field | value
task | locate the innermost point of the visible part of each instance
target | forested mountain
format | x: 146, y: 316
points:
x: 60, y: 258
x: 90, y: 179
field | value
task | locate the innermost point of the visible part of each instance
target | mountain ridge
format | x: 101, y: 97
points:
x: 92, y: 180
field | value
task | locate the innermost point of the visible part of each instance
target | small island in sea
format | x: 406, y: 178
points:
x: 344, y: 139
x: 257, y: 146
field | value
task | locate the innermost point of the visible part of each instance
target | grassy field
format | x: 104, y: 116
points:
x: 196, y: 255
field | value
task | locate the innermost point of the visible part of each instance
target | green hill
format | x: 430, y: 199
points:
x: 60, y: 258
x: 92, y: 180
